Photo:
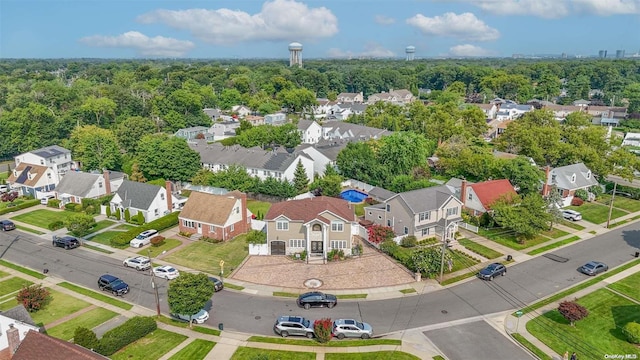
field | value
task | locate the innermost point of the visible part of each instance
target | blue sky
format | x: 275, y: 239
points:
x: 327, y: 29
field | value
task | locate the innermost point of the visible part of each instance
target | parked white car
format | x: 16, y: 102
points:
x: 166, y: 272
x: 138, y: 262
x: 198, y: 318
x: 571, y: 215
x: 143, y: 239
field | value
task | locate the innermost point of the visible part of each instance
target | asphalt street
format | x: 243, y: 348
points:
x: 524, y: 283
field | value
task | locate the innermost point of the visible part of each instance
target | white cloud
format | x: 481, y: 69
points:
x: 468, y: 50
x: 142, y: 44
x: 464, y: 26
x: 558, y: 8
x: 371, y: 49
x: 278, y: 20
x: 384, y: 20
x: 607, y: 7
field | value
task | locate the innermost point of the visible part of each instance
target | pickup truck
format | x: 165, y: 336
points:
x: 67, y: 242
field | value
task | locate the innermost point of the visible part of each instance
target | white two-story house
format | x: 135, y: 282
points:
x: 38, y: 172
x: 310, y: 131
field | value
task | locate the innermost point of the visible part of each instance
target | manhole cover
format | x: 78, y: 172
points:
x: 444, y: 311
x: 258, y: 317
x: 313, y: 283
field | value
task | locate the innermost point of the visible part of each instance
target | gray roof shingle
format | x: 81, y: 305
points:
x: 77, y: 183
x: 562, y: 176
x: 426, y: 199
x: 50, y: 151
x: 254, y: 157
x: 19, y: 313
x: 137, y: 195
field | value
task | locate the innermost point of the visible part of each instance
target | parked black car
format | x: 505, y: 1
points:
x: 7, y: 225
x: 217, y: 284
x: 491, y: 271
x: 111, y: 283
x: 67, y: 242
x: 317, y: 299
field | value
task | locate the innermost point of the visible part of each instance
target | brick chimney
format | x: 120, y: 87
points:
x: 107, y: 182
x: 168, y: 186
x: 545, y: 186
x: 463, y: 191
x: 13, y: 338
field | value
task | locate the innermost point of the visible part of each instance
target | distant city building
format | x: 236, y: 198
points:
x: 602, y: 54
x: 295, y: 54
x: 619, y: 54
x: 411, y: 52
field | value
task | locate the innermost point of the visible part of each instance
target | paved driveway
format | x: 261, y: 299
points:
x: 371, y: 270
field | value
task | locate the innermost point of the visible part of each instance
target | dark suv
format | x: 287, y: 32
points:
x: 7, y: 225
x: 67, y: 242
x: 317, y: 299
x: 111, y: 283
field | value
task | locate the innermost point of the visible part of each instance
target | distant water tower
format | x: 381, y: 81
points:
x: 411, y: 52
x: 295, y: 54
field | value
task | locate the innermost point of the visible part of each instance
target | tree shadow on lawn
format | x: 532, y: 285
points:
x: 622, y: 315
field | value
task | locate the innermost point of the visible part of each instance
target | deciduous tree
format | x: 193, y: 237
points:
x: 34, y: 297
x: 189, y: 293
x: 162, y: 156
x: 95, y: 148
x: 572, y: 311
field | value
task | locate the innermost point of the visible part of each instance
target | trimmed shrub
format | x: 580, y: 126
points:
x: 73, y: 207
x: 335, y: 255
x: 141, y: 219
x: 24, y: 205
x: 117, y: 215
x: 157, y: 240
x: 85, y: 338
x: 132, y: 330
x: 211, y: 240
x: 56, y: 225
x: 108, y: 211
x: 409, y: 241
x: 632, y: 332
x: 322, y: 329
x: 256, y: 237
x: 576, y: 201
x: 165, y: 222
x: 53, y: 203
x: 127, y: 215
x: 582, y: 194
x: 34, y: 297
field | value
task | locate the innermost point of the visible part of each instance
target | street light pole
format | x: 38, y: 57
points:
x: 444, y: 248
x: 613, y: 194
x: 153, y: 284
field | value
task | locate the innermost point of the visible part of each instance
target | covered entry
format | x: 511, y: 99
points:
x: 278, y: 248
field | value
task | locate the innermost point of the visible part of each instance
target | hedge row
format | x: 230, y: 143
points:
x: 165, y: 222
x: 24, y: 205
x: 130, y: 331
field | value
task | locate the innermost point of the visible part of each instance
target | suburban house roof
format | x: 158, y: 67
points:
x: 355, y: 131
x: 210, y: 208
x: 490, y: 191
x: 563, y: 177
x: 425, y: 199
x: 40, y: 346
x: 23, y: 170
x: 19, y: 313
x: 304, y: 124
x: 77, y: 183
x: 380, y: 193
x: 306, y: 210
x: 136, y: 194
x: 50, y: 151
x: 254, y: 157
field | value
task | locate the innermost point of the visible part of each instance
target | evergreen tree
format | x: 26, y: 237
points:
x: 300, y: 179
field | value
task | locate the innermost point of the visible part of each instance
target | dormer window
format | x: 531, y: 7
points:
x: 388, y: 208
x: 41, y: 162
x: 589, y: 174
x: 161, y: 196
x: 15, y: 173
x: 30, y: 176
x: 573, y: 178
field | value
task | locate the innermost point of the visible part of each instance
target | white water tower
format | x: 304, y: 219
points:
x: 411, y: 52
x: 295, y: 54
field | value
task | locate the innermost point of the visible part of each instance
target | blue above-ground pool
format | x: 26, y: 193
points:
x: 354, y: 196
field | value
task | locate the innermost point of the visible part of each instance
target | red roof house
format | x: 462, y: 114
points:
x: 479, y: 197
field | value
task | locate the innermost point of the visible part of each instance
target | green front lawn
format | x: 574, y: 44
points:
x: 125, y: 227
x: 629, y: 286
x: 43, y: 217
x: 61, y: 306
x: 507, y: 238
x: 553, y: 245
x: 3, y: 274
x: 572, y: 225
x: 376, y: 355
x: 206, y: 256
x: 157, y: 250
x: 12, y: 285
x: 150, y: 347
x: 256, y: 207
x: 196, y: 350
x: 620, y: 202
x: 554, y: 233
x: 246, y: 353
x: 105, y: 237
x: 28, y: 229
x: 332, y: 343
x: 596, y: 213
x: 102, y: 224
x: 479, y: 249
x: 90, y: 319
x: 598, y: 334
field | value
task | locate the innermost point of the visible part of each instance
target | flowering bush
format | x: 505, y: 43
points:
x: 379, y: 233
x: 576, y: 201
x: 34, y: 297
x: 323, y: 329
x: 157, y: 240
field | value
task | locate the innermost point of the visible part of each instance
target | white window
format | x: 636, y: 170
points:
x: 297, y: 243
x: 212, y: 228
x: 425, y: 215
x: 388, y: 222
x: 338, y: 244
x: 188, y: 223
x: 388, y: 208
x: 452, y: 211
x: 161, y: 196
x: 282, y: 225
x: 49, y: 176
x: 99, y: 183
x: 156, y: 212
x: 470, y: 197
x: 232, y: 227
x: 41, y: 162
x: 426, y: 231
x: 237, y: 210
x: 589, y: 174
x: 406, y: 230
x: 573, y: 178
x: 337, y: 226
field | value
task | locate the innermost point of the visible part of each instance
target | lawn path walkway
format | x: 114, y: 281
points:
x: 70, y: 316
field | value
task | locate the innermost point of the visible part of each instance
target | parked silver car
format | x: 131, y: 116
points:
x: 138, y: 262
x: 343, y: 328
x: 293, y: 325
x: 571, y: 215
x: 198, y: 318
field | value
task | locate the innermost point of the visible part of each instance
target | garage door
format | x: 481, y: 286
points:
x: 277, y: 248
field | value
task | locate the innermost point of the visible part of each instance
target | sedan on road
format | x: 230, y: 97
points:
x: 7, y: 225
x: 166, y: 272
x: 217, y: 284
x: 491, y: 271
x: 317, y: 299
x: 343, y: 328
x: 593, y: 268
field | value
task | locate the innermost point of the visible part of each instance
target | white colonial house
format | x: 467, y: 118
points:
x: 310, y: 131
x: 152, y: 201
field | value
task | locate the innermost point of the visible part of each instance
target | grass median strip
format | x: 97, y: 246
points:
x: 196, y: 350
x: 480, y: 249
x: 97, y: 249
x: 332, y: 343
x: 458, y: 278
x: 28, y: 229
x: 375, y: 355
x: 23, y: 270
x: 96, y: 295
x: 553, y: 245
x: 3, y: 274
x: 285, y: 294
x: 233, y: 287
x: 534, y: 349
x: 185, y: 325
x: 90, y: 319
x: 408, y: 291
x: 351, y: 296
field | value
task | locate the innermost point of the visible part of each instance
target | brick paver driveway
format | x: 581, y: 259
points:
x: 371, y: 270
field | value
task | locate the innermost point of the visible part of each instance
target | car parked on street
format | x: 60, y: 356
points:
x: 343, y: 328
x: 593, y: 268
x: 111, y: 283
x: 143, y: 238
x: 293, y: 325
x: 7, y: 225
x: 317, y: 299
x: 491, y: 271
x: 166, y: 272
x: 217, y: 284
x: 199, y: 318
x: 571, y: 215
x: 139, y: 263
x: 67, y: 242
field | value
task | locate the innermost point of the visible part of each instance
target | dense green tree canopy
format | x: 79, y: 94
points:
x: 162, y: 156
x: 189, y: 293
x: 95, y: 148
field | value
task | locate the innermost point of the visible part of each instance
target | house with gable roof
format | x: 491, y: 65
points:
x: 310, y: 131
x: 39, y: 171
x: 241, y: 110
x: 567, y: 180
x: 423, y: 213
x: 221, y: 217
x: 350, y: 97
x: 334, y: 131
x: 478, y: 197
x: 315, y: 225
x: 15, y: 323
x: 76, y: 185
x: 152, y: 201
x: 194, y: 132
x: 55, y: 157
x: 323, y: 153
x: 396, y: 97
x: 36, y: 345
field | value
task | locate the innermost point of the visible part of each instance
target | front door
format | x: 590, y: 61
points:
x: 316, y: 247
x: 199, y: 228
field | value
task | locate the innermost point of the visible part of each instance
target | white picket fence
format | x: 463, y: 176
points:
x: 472, y: 228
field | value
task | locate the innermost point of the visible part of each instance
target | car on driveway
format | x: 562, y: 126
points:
x: 217, y: 284
x: 143, y: 238
x: 111, y: 283
x: 199, y: 318
x: 67, y: 242
x: 491, y: 271
x: 571, y: 215
x: 317, y: 299
x: 166, y: 272
x: 593, y: 268
x: 293, y: 325
x: 343, y: 328
x: 7, y: 225
x: 139, y: 263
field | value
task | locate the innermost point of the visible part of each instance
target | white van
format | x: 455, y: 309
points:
x: 143, y: 239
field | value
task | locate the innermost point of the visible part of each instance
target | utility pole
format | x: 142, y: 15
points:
x: 153, y: 284
x: 613, y: 195
x: 444, y: 248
